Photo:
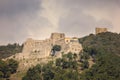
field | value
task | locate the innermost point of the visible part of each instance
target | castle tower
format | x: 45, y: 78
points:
x: 57, y: 36
x: 100, y: 30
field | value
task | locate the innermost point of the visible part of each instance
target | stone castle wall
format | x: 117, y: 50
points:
x: 37, y: 48
x: 38, y: 51
x: 42, y: 48
x: 100, y: 30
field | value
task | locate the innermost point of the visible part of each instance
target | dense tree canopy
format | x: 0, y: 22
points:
x: 7, y: 68
x: 107, y: 42
x: 10, y: 49
x: 104, y: 48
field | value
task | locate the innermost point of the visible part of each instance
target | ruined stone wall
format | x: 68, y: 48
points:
x: 42, y: 48
x: 57, y: 36
x: 62, y: 43
x: 100, y: 30
x: 74, y: 45
x: 38, y: 51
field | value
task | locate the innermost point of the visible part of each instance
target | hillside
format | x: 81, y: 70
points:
x: 108, y: 42
x: 9, y: 50
x: 99, y: 60
x: 103, y: 49
x: 7, y: 68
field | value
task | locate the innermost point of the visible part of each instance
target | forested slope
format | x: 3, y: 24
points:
x: 104, y: 48
x: 10, y: 49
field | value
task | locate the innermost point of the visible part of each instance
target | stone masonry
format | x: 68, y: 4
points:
x: 39, y: 51
x: 42, y: 48
x: 100, y: 30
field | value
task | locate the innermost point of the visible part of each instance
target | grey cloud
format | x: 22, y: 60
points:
x: 20, y: 18
x: 77, y: 22
x: 91, y: 3
x: 16, y: 7
x: 80, y: 24
x: 110, y: 6
x: 15, y: 17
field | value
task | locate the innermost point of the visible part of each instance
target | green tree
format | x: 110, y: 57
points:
x: 70, y: 56
x: 59, y: 62
x: 55, y: 48
x: 85, y: 64
x: 75, y: 56
x: 13, y: 65
x: 1, y: 74
x: 10, y: 49
x: 48, y: 74
x: 33, y: 73
x: 7, y: 68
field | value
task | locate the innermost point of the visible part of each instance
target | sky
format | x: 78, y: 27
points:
x: 37, y: 19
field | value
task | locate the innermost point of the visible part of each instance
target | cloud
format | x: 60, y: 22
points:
x: 80, y: 22
x: 15, y: 15
x: 20, y: 19
x: 52, y: 12
x: 16, y: 7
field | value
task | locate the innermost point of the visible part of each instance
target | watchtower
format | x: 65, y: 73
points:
x: 57, y: 36
x: 100, y: 30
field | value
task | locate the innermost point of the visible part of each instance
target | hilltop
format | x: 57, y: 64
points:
x: 97, y: 60
x: 102, y: 49
x: 9, y: 50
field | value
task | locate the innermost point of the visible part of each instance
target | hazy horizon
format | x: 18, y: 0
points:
x: 21, y: 19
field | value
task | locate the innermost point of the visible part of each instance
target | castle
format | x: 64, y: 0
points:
x: 39, y: 51
x: 42, y: 48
